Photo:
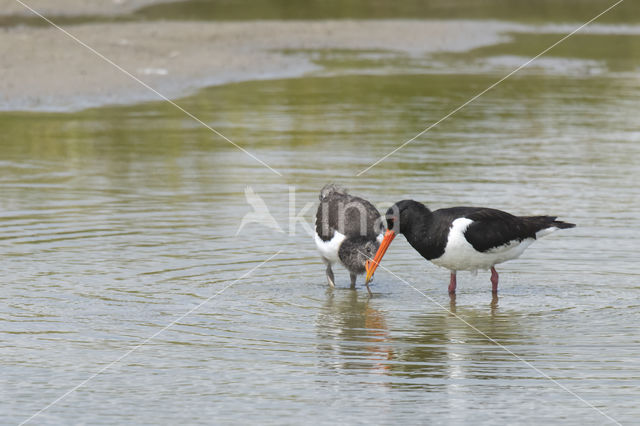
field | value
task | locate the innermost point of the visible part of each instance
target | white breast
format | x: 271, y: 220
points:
x: 459, y: 255
x: 329, y: 249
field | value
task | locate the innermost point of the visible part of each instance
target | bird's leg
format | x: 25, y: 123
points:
x: 494, y: 280
x: 330, y: 278
x: 353, y: 280
x: 452, y: 283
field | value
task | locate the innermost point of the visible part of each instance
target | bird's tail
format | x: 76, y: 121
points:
x: 562, y: 225
x: 544, y: 225
x: 331, y: 188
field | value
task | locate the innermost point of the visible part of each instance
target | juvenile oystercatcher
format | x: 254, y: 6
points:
x: 464, y: 238
x: 348, y: 231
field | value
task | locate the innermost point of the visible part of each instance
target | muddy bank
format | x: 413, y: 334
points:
x: 43, y: 69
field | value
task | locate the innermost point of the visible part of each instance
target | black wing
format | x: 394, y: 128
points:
x: 349, y: 215
x: 493, y: 228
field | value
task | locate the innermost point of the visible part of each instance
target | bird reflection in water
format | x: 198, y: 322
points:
x: 432, y: 350
x: 441, y: 345
x: 352, y: 333
x: 493, y: 305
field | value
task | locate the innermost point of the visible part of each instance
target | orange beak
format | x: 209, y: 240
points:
x: 371, y: 265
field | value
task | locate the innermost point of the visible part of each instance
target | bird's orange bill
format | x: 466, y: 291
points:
x: 371, y: 265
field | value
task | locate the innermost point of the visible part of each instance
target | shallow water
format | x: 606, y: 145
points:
x: 115, y: 222
x: 538, y: 11
x: 512, y: 10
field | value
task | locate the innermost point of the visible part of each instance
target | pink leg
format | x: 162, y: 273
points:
x: 452, y: 283
x: 494, y: 280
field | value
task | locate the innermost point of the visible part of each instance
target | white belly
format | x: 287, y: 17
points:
x: 459, y: 255
x: 329, y: 249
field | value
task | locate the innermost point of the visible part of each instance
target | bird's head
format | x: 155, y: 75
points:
x: 400, y: 217
x: 403, y: 214
x: 356, y: 252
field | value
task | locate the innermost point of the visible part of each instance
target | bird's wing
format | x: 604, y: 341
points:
x: 324, y: 227
x: 351, y: 216
x: 493, y: 228
x: 362, y: 219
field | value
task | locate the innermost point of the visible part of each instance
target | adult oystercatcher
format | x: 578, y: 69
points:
x: 464, y: 238
x: 348, y: 231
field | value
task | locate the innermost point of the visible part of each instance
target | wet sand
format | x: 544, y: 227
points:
x: 43, y: 69
x: 74, y: 7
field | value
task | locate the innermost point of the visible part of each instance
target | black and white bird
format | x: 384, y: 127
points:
x: 348, y: 231
x: 464, y: 238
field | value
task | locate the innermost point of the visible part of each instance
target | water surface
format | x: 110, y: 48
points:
x: 116, y: 221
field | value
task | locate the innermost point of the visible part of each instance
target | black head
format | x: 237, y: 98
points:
x: 354, y: 253
x: 403, y: 214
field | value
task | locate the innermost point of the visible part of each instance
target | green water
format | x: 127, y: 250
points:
x: 510, y: 10
x: 531, y: 11
x: 116, y: 221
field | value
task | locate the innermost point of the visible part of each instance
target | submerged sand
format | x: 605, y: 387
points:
x: 44, y: 69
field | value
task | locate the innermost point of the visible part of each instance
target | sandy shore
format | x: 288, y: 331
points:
x: 74, y: 7
x: 43, y: 69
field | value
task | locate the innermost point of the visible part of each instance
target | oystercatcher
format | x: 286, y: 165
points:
x: 464, y: 238
x: 348, y: 231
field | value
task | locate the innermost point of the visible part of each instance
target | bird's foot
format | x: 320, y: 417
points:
x: 330, y: 278
x: 330, y: 282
